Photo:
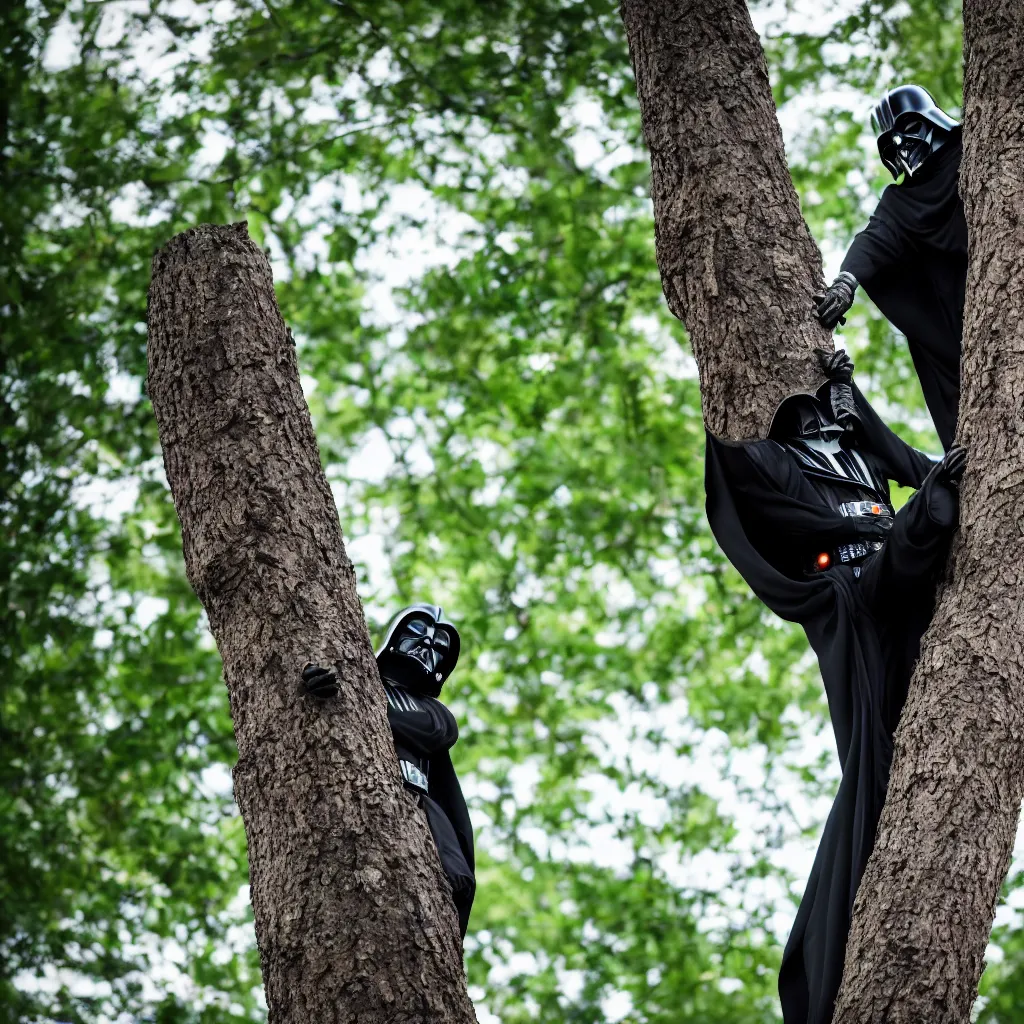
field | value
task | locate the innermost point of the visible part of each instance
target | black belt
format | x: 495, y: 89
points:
x: 865, y: 508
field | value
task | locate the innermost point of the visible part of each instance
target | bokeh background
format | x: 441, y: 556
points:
x: 454, y: 197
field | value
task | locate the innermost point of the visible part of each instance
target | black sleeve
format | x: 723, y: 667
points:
x: 447, y: 793
x: 880, y: 245
x: 736, y: 500
x: 897, y: 459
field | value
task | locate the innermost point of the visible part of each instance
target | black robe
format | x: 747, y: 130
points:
x: 424, y: 731
x: 865, y: 626
x: 911, y: 259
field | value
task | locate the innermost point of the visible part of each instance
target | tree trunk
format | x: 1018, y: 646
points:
x: 353, y: 917
x: 738, y: 264
x: 926, y: 903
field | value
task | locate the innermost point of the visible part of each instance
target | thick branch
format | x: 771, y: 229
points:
x: 353, y: 918
x: 738, y: 264
x: 926, y: 903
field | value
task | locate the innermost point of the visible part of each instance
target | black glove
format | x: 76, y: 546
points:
x: 838, y: 367
x: 321, y: 682
x: 951, y: 468
x: 870, y: 527
x: 943, y: 500
x: 831, y: 304
x: 844, y: 407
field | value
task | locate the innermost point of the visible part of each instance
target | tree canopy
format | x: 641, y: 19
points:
x: 455, y: 199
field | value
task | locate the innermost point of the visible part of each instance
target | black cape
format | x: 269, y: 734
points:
x: 865, y: 628
x: 911, y: 259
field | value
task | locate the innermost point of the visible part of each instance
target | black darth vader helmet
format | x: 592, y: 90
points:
x: 803, y: 417
x: 910, y: 126
x: 420, y: 649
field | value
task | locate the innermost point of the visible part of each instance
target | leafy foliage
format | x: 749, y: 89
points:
x: 455, y: 200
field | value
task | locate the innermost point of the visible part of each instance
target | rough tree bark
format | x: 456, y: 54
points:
x: 353, y: 919
x: 926, y: 903
x: 738, y: 264
x: 738, y: 267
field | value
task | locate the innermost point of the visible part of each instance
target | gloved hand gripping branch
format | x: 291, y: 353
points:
x: 941, y: 487
x: 320, y: 682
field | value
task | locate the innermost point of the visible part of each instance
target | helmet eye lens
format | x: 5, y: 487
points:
x: 804, y: 416
x: 911, y: 128
x: 412, y: 634
x: 416, y: 626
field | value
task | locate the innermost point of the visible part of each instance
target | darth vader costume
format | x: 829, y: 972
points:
x: 806, y: 518
x: 911, y: 258
x: 419, y: 652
